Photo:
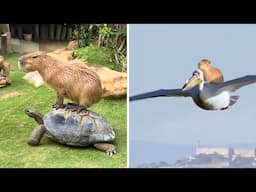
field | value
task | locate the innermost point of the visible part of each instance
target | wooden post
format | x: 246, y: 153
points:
x: 20, y: 32
x: 64, y: 33
x: 69, y: 36
x: 13, y: 30
x: 51, y: 31
x: 36, y: 32
x: 42, y: 33
x: 5, y: 38
x: 6, y: 42
x: 58, y: 32
x: 46, y: 31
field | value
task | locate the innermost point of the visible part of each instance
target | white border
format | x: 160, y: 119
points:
x: 127, y: 99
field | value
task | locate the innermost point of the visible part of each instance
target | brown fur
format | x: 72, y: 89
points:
x: 211, y: 74
x: 4, y: 67
x: 4, y: 72
x: 76, y: 82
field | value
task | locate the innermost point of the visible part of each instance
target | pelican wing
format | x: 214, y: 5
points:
x: 161, y: 93
x: 235, y: 84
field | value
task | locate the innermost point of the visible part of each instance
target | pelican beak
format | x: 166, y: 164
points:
x: 192, y: 82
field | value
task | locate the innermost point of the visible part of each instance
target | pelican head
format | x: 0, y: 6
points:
x: 197, y: 79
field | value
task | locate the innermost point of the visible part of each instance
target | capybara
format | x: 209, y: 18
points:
x: 75, y: 82
x: 211, y: 74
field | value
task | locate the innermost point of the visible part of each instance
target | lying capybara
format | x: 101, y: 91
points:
x: 76, y: 82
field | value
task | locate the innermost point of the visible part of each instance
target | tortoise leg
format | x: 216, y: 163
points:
x: 36, y: 135
x: 110, y: 149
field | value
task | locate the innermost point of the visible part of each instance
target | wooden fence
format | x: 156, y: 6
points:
x: 52, y: 32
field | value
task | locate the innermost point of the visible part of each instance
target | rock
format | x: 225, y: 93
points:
x: 65, y: 54
x: 34, y: 78
x: 62, y: 54
x: 114, y: 83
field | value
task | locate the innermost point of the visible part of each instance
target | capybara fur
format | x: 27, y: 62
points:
x: 211, y: 74
x: 75, y: 82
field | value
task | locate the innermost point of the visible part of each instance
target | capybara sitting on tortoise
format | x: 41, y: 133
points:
x: 75, y: 82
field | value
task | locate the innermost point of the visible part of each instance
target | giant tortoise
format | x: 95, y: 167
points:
x: 65, y: 126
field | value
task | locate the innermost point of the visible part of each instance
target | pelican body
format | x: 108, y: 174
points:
x: 206, y: 95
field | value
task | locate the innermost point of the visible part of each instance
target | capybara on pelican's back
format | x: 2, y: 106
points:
x: 211, y: 74
x: 76, y: 82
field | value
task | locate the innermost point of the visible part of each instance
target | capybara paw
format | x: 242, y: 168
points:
x: 58, y: 106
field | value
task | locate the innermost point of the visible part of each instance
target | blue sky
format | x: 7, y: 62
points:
x: 164, y: 56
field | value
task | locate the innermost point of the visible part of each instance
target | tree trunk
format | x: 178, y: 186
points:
x: 99, y: 40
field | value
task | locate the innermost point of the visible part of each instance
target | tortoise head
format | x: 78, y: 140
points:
x: 35, y: 114
x: 30, y: 112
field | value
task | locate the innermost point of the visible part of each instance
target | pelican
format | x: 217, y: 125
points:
x: 206, y: 87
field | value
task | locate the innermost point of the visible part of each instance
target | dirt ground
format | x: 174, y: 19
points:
x: 49, y: 46
x: 22, y: 46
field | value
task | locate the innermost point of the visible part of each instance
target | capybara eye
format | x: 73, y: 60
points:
x: 34, y: 56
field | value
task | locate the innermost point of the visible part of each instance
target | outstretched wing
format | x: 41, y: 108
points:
x: 235, y: 84
x: 161, y: 93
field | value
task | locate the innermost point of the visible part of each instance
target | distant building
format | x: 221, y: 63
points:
x: 214, y: 150
x: 214, y: 157
x: 243, y: 152
x: 227, y: 152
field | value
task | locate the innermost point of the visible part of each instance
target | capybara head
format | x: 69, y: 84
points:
x: 31, y: 61
x: 204, y: 63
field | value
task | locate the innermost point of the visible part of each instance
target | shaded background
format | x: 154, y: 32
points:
x: 164, y: 56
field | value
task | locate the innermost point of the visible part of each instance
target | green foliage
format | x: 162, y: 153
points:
x: 98, y: 56
x: 85, y: 34
x: 110, y: 36
x: 16, y: 128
